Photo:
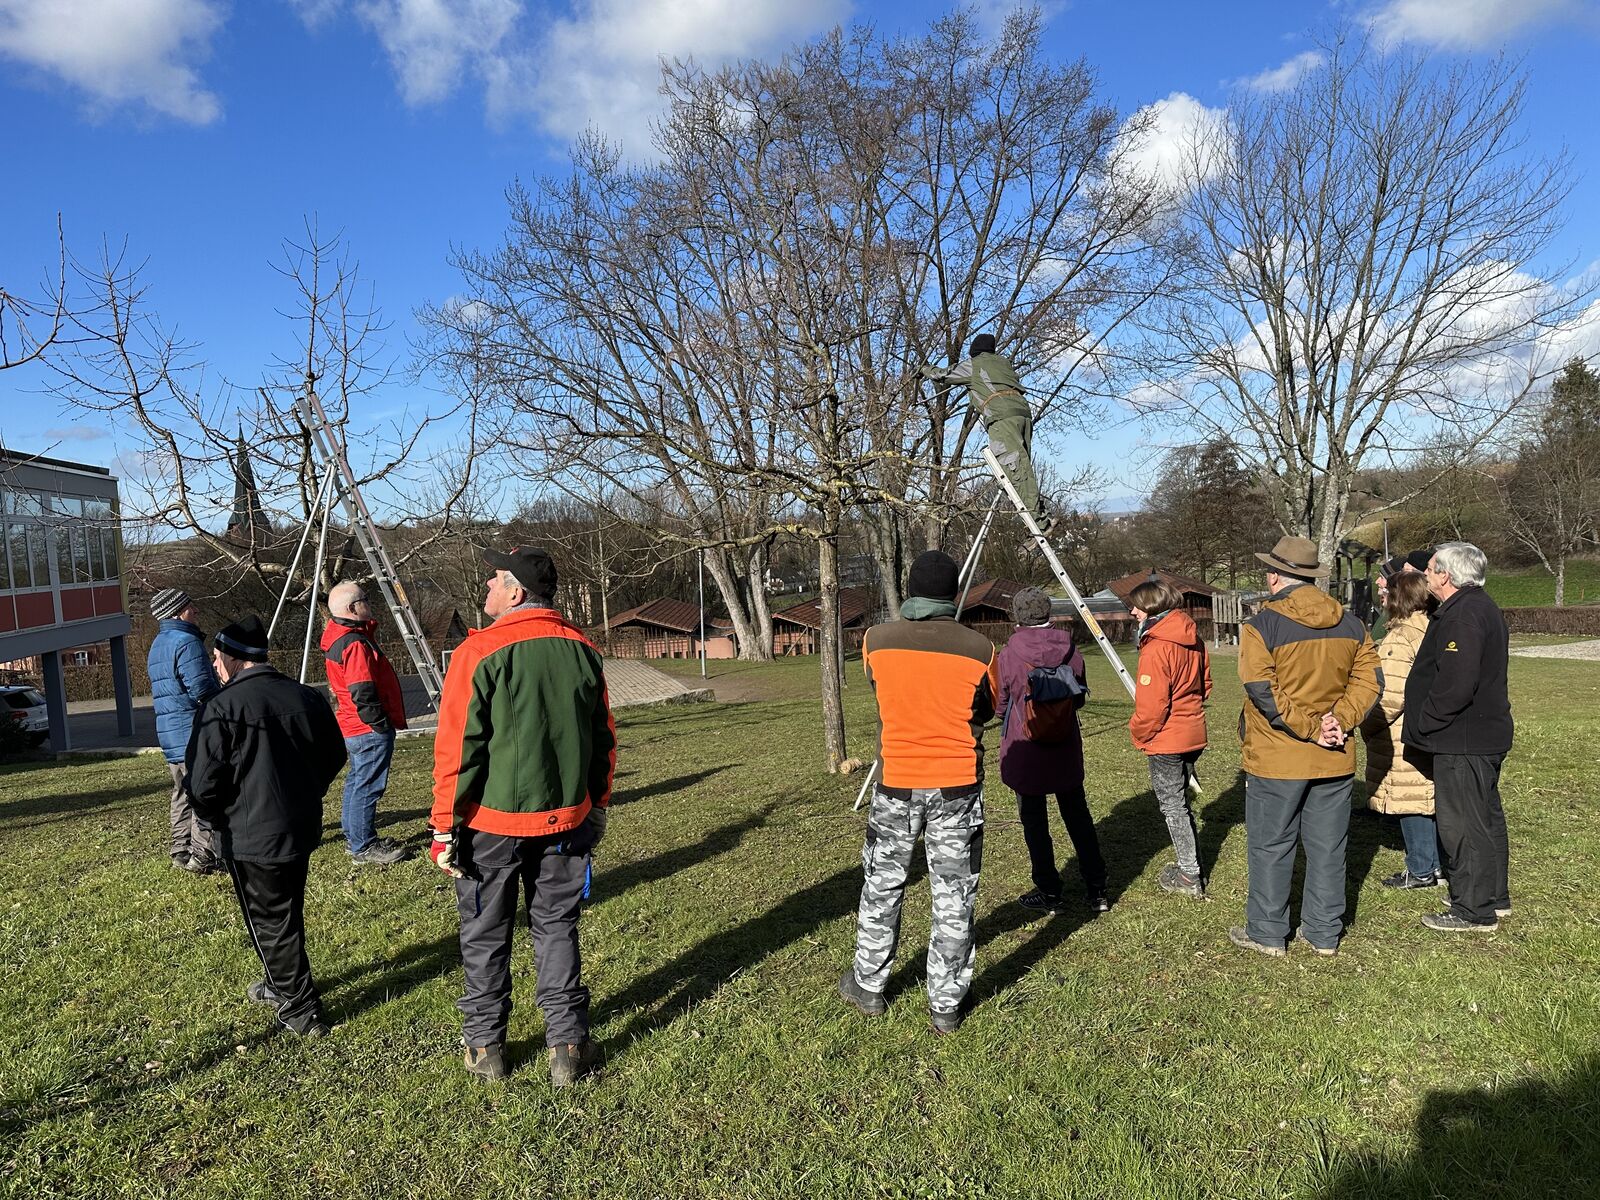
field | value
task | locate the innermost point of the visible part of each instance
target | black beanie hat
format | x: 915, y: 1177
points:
x: 982, y: 344
x: 934, y: 576
x: 1418, y: 560
x: 245, y: 639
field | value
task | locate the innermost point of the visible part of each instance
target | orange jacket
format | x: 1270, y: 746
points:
x: 1169, y: 715
x: 936, y: 682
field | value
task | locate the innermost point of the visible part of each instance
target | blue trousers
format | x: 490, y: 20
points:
x: 364, y: 781
x: 1422, y: 843
x: 1279, y: 816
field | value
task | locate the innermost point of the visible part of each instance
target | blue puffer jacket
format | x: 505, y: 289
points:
x: 180, y: 679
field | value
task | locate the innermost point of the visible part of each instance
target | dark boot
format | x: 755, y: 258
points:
x: 486, y: 1062
x: 568, y: 1064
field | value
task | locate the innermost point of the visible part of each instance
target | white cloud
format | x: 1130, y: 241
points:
x: 1283, y: 77
x: 77, y: 433
x: 601, y: 67
x: 144, y: 53
x: 433, y: 44
x: 1167, y: 143
x: 1463, y: 24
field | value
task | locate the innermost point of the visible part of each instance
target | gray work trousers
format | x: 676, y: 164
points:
x: 1169, y: 779
x: 950, y: 821
x: 191, y: 836
x: 1011, y: 439
x: 1280, y: 814
x: 543, y: 878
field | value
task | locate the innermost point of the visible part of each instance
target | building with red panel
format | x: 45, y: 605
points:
x: 61, y: 575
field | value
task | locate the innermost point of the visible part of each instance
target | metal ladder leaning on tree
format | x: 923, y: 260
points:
x: 339, y: 482
x: 1008, y: 489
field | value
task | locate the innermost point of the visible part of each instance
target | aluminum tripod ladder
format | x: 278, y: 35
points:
x: 340, y: 482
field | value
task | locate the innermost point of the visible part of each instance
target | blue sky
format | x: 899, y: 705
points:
x: 204, y: 131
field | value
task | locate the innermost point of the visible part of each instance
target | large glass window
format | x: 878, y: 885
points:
x: 39, y: 556
x: 62, y: 535
x: 21, y: 563
x: 109, y: 537
x: 26, y: 504
x: 80, y: 554
x: 97, y: 562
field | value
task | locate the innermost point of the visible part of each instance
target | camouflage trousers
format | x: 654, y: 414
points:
x: 951, y: 822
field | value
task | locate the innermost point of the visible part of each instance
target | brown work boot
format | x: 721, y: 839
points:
x: 486, y: 1062
x: 568, y: 1064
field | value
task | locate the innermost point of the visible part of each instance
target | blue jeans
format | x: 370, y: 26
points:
x: 364, y: 782
x: 1422, y: 843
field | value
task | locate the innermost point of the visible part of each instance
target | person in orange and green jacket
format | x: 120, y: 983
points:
x: 1310, y: 676
x: 522, y: 771
x: 1169, y: 720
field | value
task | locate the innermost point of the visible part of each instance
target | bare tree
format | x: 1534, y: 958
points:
x: 1361, y: 270
x: 30, y: 327
x: 195, y: 438
x: 1552, y: 491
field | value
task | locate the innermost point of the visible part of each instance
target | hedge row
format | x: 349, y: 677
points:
x: 1572, y: 619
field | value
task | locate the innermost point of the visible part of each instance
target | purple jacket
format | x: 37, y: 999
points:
x: 1027, y: 767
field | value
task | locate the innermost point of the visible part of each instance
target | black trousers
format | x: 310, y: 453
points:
x: 1472, y: 833
x: 542, y: 877
x: 1074, y: 807
x: 272, y: 898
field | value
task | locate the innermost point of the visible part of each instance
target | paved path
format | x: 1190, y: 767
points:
x: 1589, y: 651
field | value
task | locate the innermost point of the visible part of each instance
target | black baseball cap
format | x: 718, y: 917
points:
x: 532, y: 568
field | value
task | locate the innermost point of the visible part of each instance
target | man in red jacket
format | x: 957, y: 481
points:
x: 366, y: 699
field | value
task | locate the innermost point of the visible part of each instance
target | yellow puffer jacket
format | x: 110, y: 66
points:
x: 1399, y: 777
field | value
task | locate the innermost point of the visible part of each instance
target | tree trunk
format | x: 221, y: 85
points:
x: 760, y: 611
x: 828, y: 644
x: 888, y: 549
x: 1561, y: 581
x: 746, y: 633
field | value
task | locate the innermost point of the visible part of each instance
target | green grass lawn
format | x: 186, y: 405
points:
x: 1534, y: 586
x: 1133, y: 1055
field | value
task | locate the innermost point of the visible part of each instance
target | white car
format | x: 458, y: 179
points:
x: 26, y: 706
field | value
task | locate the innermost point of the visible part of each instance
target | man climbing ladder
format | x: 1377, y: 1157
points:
x: 996, y: 394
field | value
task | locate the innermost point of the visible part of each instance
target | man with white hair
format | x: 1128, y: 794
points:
x: 1457, y: 709
x: 368, y: 703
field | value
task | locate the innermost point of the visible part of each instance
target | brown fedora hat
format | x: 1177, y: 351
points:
x: 1293, y: 556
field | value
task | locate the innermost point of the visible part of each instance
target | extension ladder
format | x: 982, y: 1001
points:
x: 341, y: 483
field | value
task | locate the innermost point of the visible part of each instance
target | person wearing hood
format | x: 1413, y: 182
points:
x: 1310, y: 676
x: 1042, y: 686
x: 1169, y: 720
x: 368, y: 703
x: 998, y: 400
x: 935, y: 682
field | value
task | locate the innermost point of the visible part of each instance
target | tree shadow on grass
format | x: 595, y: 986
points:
x: 1534, y: 1140
x: 70, y: 805
x: 1370, y: 832
x: 1219, y: 818
x: 1132, y: 835
x: 659, y: 998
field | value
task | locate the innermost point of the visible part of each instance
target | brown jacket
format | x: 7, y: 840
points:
x: 1301, y: 656
x: 1399, y: 778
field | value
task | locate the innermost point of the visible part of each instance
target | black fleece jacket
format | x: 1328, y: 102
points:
x: 1456, y: 698
x: 263, y: 751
